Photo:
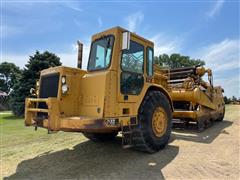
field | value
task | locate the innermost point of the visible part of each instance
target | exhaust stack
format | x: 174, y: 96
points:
x: 80, y: 52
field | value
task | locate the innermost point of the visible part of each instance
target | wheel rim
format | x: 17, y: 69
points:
x: 159, y: 122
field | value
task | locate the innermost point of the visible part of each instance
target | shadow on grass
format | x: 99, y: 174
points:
x: 206, y: 136
x: 89, y: 160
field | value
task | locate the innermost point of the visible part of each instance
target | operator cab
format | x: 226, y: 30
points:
x: 119, y: 50
x: 132, y: 46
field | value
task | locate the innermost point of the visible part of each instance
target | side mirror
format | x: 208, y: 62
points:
x: 33, y: 92
x: 125, y: 40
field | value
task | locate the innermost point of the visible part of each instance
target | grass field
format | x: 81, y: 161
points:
x: 29, y: 154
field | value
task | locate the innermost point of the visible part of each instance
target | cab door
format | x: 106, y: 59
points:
x: 131, y: 71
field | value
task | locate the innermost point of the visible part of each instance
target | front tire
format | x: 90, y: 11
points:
x: 155, y: 120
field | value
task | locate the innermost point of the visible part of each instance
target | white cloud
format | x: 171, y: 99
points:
x: 231, y: 85
x: 134, y: 20
x: 72, y: 5
x: 18, y: 59
x: 86, y: 50
x: 165, y: 45
x: 221, y: 56
x: 215, y: 9
x: 68, y: 59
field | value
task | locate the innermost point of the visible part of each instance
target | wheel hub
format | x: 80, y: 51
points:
x: 159, y: 122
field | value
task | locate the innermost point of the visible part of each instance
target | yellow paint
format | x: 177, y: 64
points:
x: 159, y: 122
x: 95, y: 96
x: 206, y: 101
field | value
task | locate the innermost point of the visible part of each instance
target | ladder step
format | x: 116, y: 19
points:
x: 131, y: 135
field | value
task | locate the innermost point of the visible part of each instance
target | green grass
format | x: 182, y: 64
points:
x: 14, y: 132
x: 19, y: 142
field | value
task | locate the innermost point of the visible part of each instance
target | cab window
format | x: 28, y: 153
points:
x: 132, y: 69
x: 132, y: 59
x: 101, y: 52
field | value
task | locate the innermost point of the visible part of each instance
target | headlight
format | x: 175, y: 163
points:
x: 64, y: 88
x: 63, y: 79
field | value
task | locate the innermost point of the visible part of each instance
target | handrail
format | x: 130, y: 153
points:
x: 38, y: 99
x: 37, y: 110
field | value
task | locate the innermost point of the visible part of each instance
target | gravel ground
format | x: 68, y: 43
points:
x: 211, y: 154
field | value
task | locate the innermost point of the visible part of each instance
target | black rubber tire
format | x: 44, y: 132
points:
x: 222, y: 115
x: 152, y: 100
x: 101, y: 137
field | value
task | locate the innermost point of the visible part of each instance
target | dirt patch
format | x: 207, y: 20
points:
x: 211, y: 154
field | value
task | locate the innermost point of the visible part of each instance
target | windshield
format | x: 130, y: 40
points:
x: 100, y: 54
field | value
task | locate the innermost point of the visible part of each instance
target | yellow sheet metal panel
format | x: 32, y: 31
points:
x: 185, y: 114
x: 92, y: 93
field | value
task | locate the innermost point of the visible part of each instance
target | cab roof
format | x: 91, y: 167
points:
x: 118, y: 28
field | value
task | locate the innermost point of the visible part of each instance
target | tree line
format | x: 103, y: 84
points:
x: 17, y: 82
x: 231, y: 100
x: 177, y: 61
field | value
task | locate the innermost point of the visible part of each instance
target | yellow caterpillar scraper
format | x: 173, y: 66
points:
x: 121, y: 91
x: 193, y: 98
x: 116, y: 93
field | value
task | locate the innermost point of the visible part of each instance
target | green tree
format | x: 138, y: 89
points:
x: 31, y: 73
x: 9, y: 75
x: 227, y: 100
x: 177, y: 61
x: 234, y: 99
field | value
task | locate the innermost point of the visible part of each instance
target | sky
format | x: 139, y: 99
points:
x: 207, y: 30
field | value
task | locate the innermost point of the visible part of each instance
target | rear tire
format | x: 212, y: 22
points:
x: 101, y: 137
x: 155, y: 120
x: 222, y: 115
